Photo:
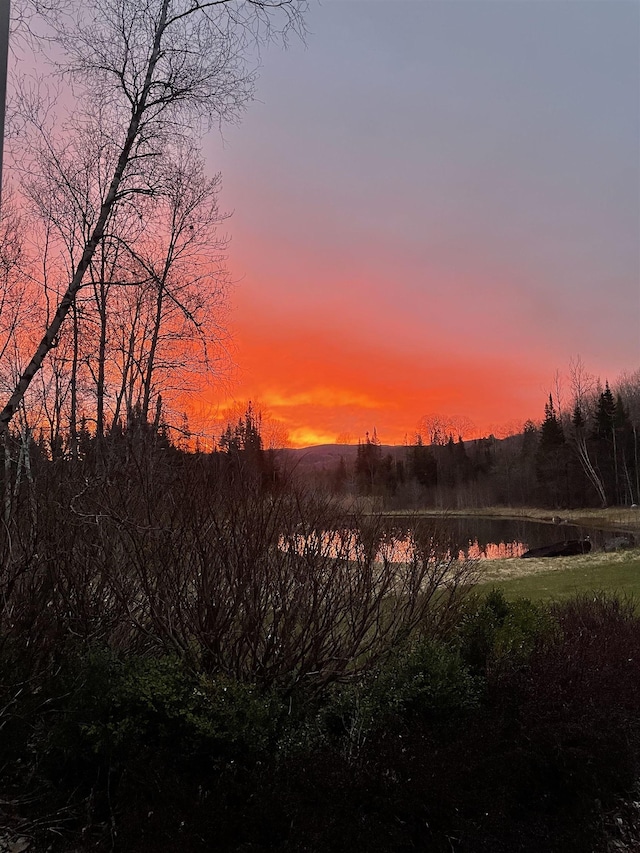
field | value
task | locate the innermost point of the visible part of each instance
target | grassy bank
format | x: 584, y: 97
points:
x: 559, y: 578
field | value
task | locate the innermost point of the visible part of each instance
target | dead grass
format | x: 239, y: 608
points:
x: 495, y: 571
x: 562, y: 578
x: 610, y: 518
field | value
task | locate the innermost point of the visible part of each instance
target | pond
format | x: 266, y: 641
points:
x: 475, y: 537
x: 458, y: 537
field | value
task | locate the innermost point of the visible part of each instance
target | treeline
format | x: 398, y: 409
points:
x: 585, y: 455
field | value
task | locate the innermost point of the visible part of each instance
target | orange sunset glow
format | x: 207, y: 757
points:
x: 320, y: 389
x: 433, y: 212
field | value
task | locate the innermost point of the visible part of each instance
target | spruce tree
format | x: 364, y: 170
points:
x: 368, y: 462
x: 552, y: 459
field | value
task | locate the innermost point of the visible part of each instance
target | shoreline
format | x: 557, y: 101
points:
x: 610, y: 518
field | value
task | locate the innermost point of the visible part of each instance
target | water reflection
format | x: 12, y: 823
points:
x: 482, y: 538
x: 494, y: 550
x: 398, y: 540
x: 391, y: 545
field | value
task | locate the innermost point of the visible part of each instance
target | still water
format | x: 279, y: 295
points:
x: 494, y: 538
x: 459, y: 537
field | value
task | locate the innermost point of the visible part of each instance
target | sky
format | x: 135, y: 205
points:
x: 435, y: 207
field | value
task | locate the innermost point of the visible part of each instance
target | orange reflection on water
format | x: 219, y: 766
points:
x: 347, y: 545
x: 493, y: 550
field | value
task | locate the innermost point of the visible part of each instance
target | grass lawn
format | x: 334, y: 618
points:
x: 556, y: 578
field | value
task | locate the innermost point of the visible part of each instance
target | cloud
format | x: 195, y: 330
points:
x: 319, y: 397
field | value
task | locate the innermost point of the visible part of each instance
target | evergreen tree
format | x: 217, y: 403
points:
x: 613, y: 447
x: 242, y: 446
x: 529, y: 439
x: 626, y: 452
x: 527, y: 478
x: 339, y: 478
x: 368, y: 463
x: 605, y: 415
x: 464, y: 467
x: 422, y: 464
x: 551, y: 432
x: 552, y: 459
x: 483, y: 458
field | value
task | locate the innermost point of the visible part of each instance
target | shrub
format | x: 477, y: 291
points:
x: 495, y: 633
x: 274, y: 587
x: 569, y: 719
x: 114, y: 715
x: 425, y: 678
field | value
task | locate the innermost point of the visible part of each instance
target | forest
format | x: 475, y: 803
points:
x: 584, y: 456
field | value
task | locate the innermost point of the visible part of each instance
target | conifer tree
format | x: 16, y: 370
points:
x: 612, y: 440
x: 368, y: 462
x: 422, y: 464
x: 552, y: 458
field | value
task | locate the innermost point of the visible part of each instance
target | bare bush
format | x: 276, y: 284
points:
x: 279, y: 587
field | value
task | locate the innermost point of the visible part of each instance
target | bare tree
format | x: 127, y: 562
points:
x: 180, y: 267
x: 63, y: 188
x: 12, y: 293
x: 436, y: 428
x: 583, y: 387
x: 4, y: 55
x: 158, y: 70
x: 628, y: 386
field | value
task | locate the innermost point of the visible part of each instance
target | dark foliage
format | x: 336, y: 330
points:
x: 517, y: 732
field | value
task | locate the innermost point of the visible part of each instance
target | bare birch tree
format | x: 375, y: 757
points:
x: 159, y: 70
x: 583, y: 389
x: 179, y: 264
x: 11, y: 293
x: 628, y: 386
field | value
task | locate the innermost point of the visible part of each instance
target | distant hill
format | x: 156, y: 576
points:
x: 326, y: 457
